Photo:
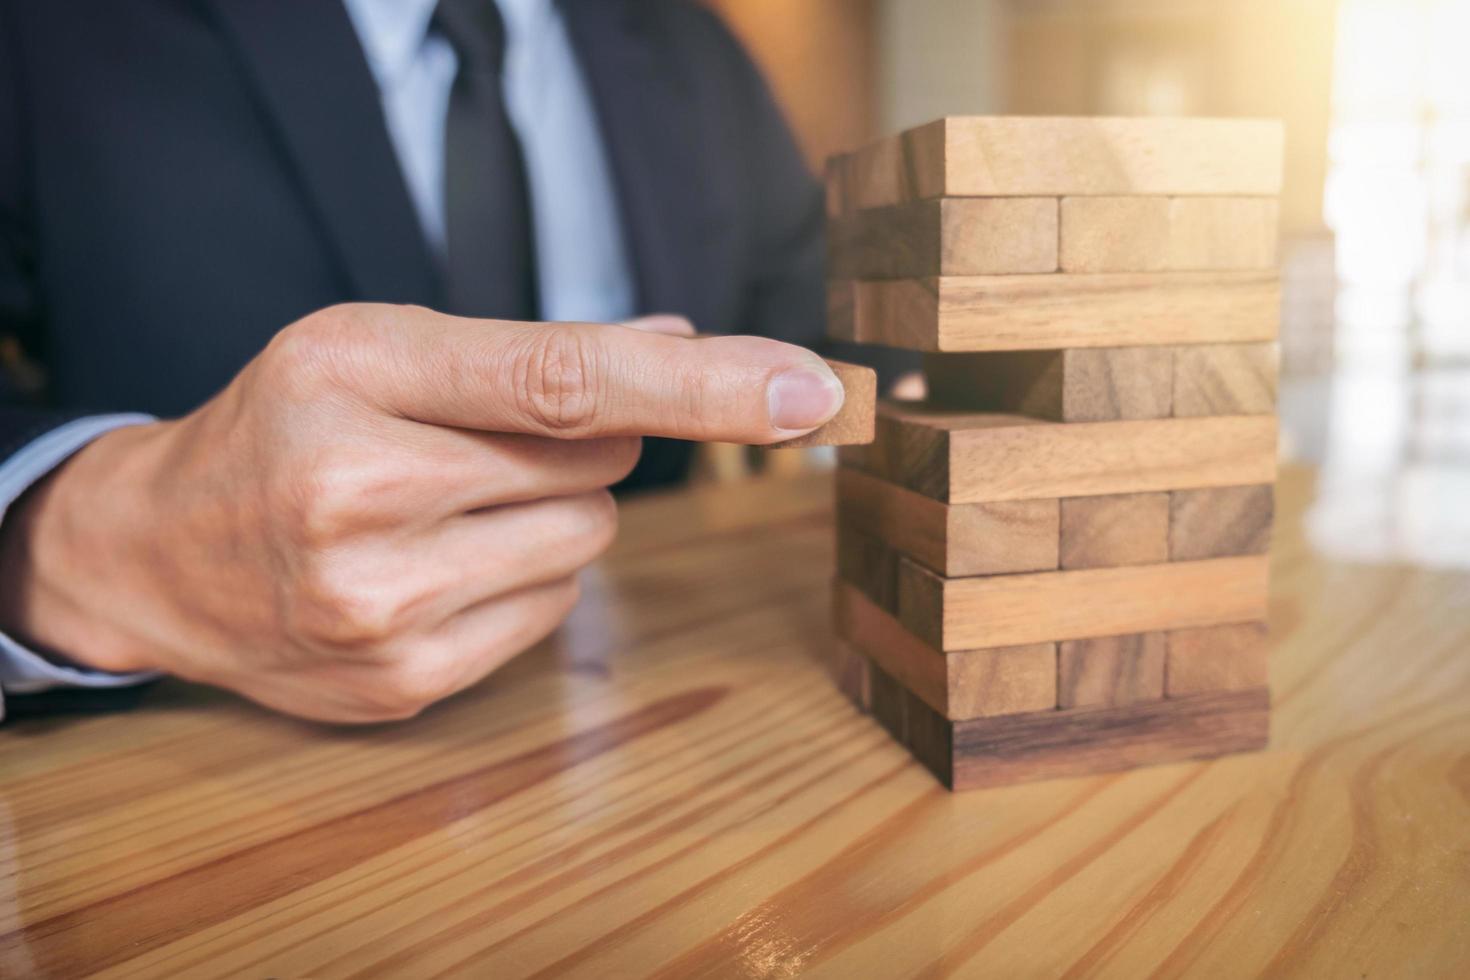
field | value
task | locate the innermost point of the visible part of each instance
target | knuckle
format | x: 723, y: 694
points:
x: 392, y: 712
x: 333, y: 499
x: 410, y: 684
x: 699, y: 396
x: 566, y: 595
x: 598, y: 519
x: 383, y: 703
x: 623, y: 454
x: 576, y: 529
x: 560, y: 374
x: 335, y: 607
x: 315, y: 347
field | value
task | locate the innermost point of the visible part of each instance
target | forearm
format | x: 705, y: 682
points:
x: 49, y: 559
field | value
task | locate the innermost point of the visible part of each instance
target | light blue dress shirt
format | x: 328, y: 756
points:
x: 581, y: 259
x: 582, y: 262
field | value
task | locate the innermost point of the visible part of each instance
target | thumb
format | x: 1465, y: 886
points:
x: 582, y: 380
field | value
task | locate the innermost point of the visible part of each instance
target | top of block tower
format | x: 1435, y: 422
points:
x: 1053, y: 156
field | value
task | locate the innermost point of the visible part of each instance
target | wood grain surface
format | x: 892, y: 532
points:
x: 672, y: 787
x: 869, y: 564
x: 988, y: 156
x: 1063, y: 310
x: 1225, y: 379
x: 966, y: 457
x: 853, y: 423
x: 1083, y: 384
x: 1218, y: 521
x: 959, y: 685
x: 842, y: 310
x: 1161, y: 234
x: 1111, y: 670
x: 950, y: 237
x: 1121, y: 529
x: 1217, y: 658
x: 956, y: 539
x: 897, y: 169
x: 986, y: 752
x: 1035, y: 607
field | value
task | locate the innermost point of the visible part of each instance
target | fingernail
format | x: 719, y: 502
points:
x: 804, y: 398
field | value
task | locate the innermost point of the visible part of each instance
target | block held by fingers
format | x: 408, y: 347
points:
x: 854, y: 422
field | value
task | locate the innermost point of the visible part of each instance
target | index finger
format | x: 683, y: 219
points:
x: 582, y: 380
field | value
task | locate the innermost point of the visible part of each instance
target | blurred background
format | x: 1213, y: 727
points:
x: 1375, y: 251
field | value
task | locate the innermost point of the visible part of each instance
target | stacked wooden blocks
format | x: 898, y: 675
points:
x: 1057, y: 564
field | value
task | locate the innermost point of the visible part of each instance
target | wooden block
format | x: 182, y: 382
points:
x: 1079, y: 385
x: 868, y: 564
x: 1048, y: 312
x: 963, y: 539
x: 913, y: 456
x: 1009, y: 610
x: 860, y: 457
x: 1114, y: 234
x: 841, y: 297
x: 889, y: 702
x: 853, y: 422
x: 897, y: 170
x: 1002, y: 681
x: 1220, y: 521
x: 1223, y: 232
x: 870, y: 631
x: 1111, y: 670
x: 1216, y: 658
x: 1225, y: 379
x: 834, y: 174
x: 964, y: 458
x: 850, y: 673
x: 964, y: 684
x: 994, y: 156
x: 1114, y: 530
x: 982, y: 752
x: 1083, y: 741
x: 1159, y: 234
x: 954, y: 236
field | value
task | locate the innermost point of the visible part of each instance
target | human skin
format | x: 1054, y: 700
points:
x: 384, y: 506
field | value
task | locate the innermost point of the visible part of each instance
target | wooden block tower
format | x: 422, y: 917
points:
x: 1057, y: 564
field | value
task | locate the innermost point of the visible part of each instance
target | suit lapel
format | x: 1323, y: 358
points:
x: 305, y: 62
x: 643, y: 108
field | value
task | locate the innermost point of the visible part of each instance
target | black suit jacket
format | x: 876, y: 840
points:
x: 179, y: 179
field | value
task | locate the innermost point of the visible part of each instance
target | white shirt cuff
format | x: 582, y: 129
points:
x: 23, y: 671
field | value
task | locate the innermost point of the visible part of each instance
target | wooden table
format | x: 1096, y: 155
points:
x: 673, y: 788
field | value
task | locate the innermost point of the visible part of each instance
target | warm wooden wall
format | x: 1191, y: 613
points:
x: 819, y: 58
x: 1269, y: 58
x: 844, y: 69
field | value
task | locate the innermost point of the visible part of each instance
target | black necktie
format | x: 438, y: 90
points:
x: 491, y: 265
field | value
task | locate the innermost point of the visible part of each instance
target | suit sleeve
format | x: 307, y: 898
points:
x: 33, y: 440
x: 20, y: 313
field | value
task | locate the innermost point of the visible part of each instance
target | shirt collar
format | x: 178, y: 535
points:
x: 392, y: 33
x: 522, y: 13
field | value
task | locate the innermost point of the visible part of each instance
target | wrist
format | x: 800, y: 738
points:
x: 68, y: 550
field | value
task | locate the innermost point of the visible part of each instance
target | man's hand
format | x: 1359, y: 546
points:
x: 383, y: 507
